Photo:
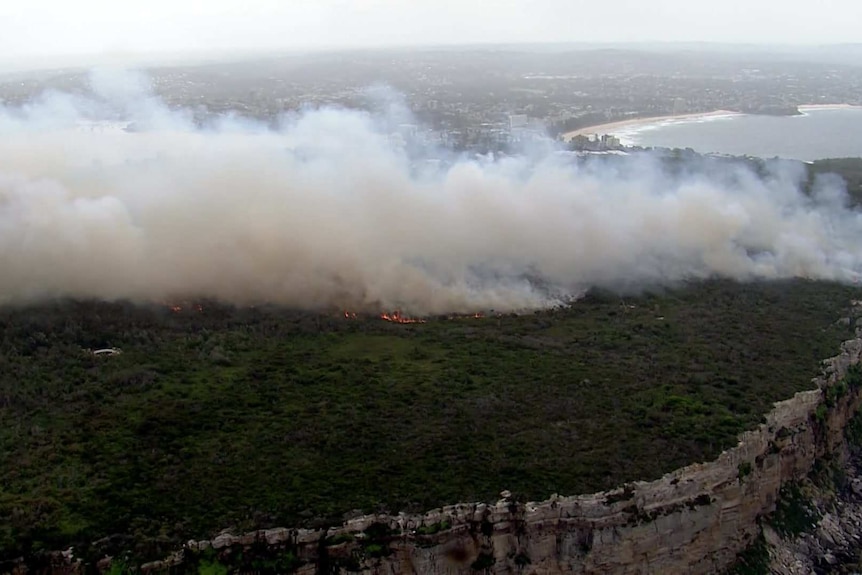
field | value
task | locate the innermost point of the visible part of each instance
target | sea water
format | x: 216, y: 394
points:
x: 817, y: 133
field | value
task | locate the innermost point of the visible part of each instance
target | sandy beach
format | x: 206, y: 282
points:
x: 803, y: 107
x: 611, y: 127
x: 617, y: 126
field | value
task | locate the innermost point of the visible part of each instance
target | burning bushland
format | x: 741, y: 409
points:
x: 323, y: 212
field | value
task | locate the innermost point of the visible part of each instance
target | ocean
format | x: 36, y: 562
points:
x: 818, y: 133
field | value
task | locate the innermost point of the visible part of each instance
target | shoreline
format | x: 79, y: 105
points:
x: 803, y: 107
x: 619, y: 125
x: 609, y: 127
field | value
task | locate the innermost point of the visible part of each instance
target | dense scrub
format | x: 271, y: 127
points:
x: 850, y: 170
x: 241, y: 418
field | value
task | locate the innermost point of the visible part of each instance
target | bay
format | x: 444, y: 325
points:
x: 817, y: 133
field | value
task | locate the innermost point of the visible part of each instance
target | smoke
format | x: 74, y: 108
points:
x: 328, y: 210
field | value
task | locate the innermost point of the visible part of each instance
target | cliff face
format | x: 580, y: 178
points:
x: 830, y: 529
x: 693, y: 520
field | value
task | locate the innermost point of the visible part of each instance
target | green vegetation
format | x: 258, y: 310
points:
x: 434, y: 528
x: 853, y: 377
x: 259, y: 559
x: 522, y: 560
x: 793, y: 513
x: 118, y: 567
x: 211, y: 567
x: 754, y: 560
x: 850, y: 170
x: 483, y: 562
x: 375, y: 541
x: 829, y: 476
x: 248, y: 418
x: 339, y: 539
x: 853, y: 431
x: 835, y: 392
x: 820, y: 414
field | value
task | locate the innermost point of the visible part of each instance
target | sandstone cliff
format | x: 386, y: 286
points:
x: 830, y: 538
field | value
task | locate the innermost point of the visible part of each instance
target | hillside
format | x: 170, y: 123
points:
x: 216, y: 417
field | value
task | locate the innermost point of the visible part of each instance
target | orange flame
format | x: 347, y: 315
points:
x: 349, y: 315
x: 478, y: 315
x: 397, y: 317
x: 177, y: 307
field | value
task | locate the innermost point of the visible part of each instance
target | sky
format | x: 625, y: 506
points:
x: 33, y: 31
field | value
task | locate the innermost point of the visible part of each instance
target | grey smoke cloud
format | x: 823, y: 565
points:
x: 325, y: 212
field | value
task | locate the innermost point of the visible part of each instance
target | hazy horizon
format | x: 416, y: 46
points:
x: 838, y: 53
x: 47, y: 33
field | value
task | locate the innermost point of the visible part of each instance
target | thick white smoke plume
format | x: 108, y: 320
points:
x: 326, y: 212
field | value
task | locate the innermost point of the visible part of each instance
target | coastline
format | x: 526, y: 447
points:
x: 621, y: 125
x: 610, y: 127
x: 803, y: 107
